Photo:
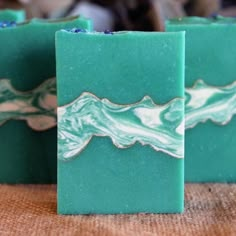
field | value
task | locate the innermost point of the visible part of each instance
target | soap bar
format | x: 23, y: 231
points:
x: 28, y: 136
x: 120, y: 122
x: 210, y: 98
x: 12, y: 15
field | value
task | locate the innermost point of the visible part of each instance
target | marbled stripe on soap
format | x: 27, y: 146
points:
x: 36, y: 107
x: 159, y: 126
x: 204, y: 102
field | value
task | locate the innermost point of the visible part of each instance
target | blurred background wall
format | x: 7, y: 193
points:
x: 147, y: 15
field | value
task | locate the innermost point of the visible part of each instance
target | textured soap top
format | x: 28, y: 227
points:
x: 35, y: 21
x: 79, y: 31
x: 217, y: 20
x: 12, y: 15
x: 106, y: 32
x: 7, y: 24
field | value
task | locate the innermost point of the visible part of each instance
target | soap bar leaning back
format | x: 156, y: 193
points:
x: 210, y: 98
x: 28, y: 152
x: 12, y: 15
x: 120, y: 122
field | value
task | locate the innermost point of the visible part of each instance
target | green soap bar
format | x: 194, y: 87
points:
x: 28, y: 100
x: 210, y: 98
x: 12, y: 15
x: 120, y: 122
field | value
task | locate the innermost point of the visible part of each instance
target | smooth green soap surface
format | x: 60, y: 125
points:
x: 27, y: 60
x: 12, y: 15
x: 122, y: 67
x: 210, y: 148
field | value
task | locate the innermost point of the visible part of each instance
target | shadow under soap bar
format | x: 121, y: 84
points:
x: 28, y: 100
x: 120, y: 122
x: 210, y: 98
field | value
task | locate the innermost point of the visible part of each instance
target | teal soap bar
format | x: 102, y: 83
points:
x: 120, y: 122
x: 12, y: 15
x: 210, y: 98
x: 28, y: 136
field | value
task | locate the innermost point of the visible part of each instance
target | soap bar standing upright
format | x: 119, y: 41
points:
x: 28, y: 100
x: 120, y: 122
x: 12, y: 15
x: 210, y: 98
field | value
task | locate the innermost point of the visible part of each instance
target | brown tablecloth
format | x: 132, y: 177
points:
x: 210, y: 209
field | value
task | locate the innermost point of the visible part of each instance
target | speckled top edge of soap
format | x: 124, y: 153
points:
x: 7, y: 24
x: 107, y: 32
x: 42, y: 21
x: 215, y: 20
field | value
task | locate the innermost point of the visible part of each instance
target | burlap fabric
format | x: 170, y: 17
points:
x: 31, y: 210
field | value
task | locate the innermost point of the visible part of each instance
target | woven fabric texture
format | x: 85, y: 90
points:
x: 210, y: 209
